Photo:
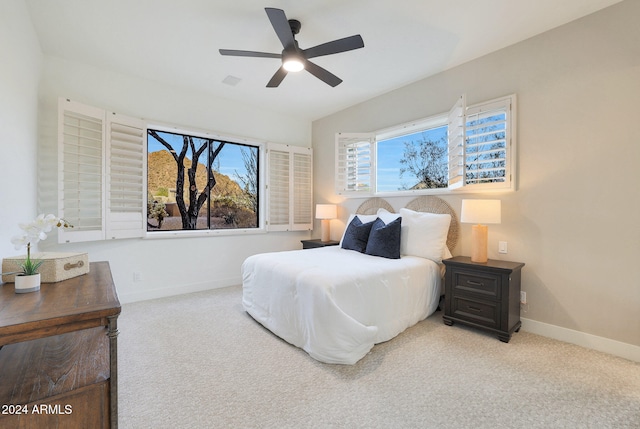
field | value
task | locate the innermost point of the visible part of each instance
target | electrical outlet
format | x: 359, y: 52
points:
x: 502, y: 247
x: 523, y: 297
x: 136, y: 276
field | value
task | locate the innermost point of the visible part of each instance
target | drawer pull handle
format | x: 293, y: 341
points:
x: 69, y: 266
x: 476, y: 309
x: 480, y: 284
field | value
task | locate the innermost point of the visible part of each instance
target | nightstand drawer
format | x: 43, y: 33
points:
x: 480, y: 312
x: 480, y: 284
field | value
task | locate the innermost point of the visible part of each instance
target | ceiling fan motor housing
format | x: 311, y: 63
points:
x: 295, y: 26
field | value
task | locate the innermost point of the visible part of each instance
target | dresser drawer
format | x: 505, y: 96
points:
x: 485, y: 285
x: 485, y: 313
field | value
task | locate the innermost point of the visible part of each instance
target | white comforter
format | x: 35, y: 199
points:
x: 336, y: 303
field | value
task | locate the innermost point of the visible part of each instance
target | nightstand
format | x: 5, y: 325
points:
x: 311, y: 244
x: 485, y: 296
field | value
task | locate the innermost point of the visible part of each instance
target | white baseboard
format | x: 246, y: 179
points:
x: 145, y: 295
x: 606, y: 345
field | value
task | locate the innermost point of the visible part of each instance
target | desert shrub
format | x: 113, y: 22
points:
x: 162, y: 192
x: 156, y: 210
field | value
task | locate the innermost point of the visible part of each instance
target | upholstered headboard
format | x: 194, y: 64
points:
x: 425, y: 203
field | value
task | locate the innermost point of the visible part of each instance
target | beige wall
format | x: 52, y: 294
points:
x: 574, y: 219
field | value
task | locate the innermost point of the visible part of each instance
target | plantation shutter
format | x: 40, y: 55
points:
x: 80, y: 172
x: 278, y: 188
x: 488, y: 151
x: 355, y: 164
x: 125, y: 184
x: 289, y: 188
x: 302, y: 188
x: 456, y: 144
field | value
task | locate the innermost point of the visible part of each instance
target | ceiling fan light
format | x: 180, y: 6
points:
x: 292, y: 63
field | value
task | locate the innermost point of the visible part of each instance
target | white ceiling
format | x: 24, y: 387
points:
x: 176, y: 42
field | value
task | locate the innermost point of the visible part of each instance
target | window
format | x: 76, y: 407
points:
x: 413, y: 157
x: 119, y: 179
x: 196, y: 182
x: 467, y: 149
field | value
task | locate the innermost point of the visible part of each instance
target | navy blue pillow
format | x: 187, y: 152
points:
x: 356, y: 235
x: 384, y: 240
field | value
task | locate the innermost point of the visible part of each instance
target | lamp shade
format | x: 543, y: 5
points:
x: 480, y: 211
x: 326, y: 211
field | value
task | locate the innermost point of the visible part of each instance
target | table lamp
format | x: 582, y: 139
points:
x: 326, y: 212
x: 479, y: 212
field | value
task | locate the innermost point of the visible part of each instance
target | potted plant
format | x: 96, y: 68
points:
x: 28, y: 280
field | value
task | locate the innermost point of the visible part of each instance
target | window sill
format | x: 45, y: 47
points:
x: 154, y: 235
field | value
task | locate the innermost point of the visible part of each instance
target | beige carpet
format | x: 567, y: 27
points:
x: 199, y: 361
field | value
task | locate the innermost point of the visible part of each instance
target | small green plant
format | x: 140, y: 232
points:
x: 32, y: 233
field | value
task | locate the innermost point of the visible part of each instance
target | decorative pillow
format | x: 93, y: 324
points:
x: 356, y: 235
x: 384, y: 240
x: 425, y: 234
x: 363, y: 218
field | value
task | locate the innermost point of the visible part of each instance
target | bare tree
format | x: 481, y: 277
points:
x: 249, y: 180
x: 196, y: 200
x: 426, y: 160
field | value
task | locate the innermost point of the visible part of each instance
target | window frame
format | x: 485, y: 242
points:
x: 262, y: 195
x: 458, y: 117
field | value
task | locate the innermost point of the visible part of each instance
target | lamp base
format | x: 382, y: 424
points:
x: 326, y: 234
x: 479, y: 243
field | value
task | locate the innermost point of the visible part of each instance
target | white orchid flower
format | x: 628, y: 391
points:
x: 37, y: 230
x: 45, y: 223
x: 34, y: 232
x: 19, y: 241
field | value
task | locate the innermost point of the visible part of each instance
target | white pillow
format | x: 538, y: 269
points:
x: 363, y: 219
x: 424, y: 234
x: 387, y: 216
x: 447, y: 253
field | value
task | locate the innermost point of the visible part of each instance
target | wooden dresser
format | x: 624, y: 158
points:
x: 58, y: 355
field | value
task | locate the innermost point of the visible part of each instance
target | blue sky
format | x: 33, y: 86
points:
x: 229, y: 160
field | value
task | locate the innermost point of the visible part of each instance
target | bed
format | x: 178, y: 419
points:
x: 336, y: 303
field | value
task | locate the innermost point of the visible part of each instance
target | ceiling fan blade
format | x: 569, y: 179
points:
x: 277, y: 78
x: 281, y: 26
x: 236, y: 53
x: 322, y: 74
x: 337, y: 46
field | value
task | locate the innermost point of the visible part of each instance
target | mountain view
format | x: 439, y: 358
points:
x: 162, y: 171
x: 230, y: 205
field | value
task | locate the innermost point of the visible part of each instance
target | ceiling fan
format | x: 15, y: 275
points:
x: 295, y: 59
